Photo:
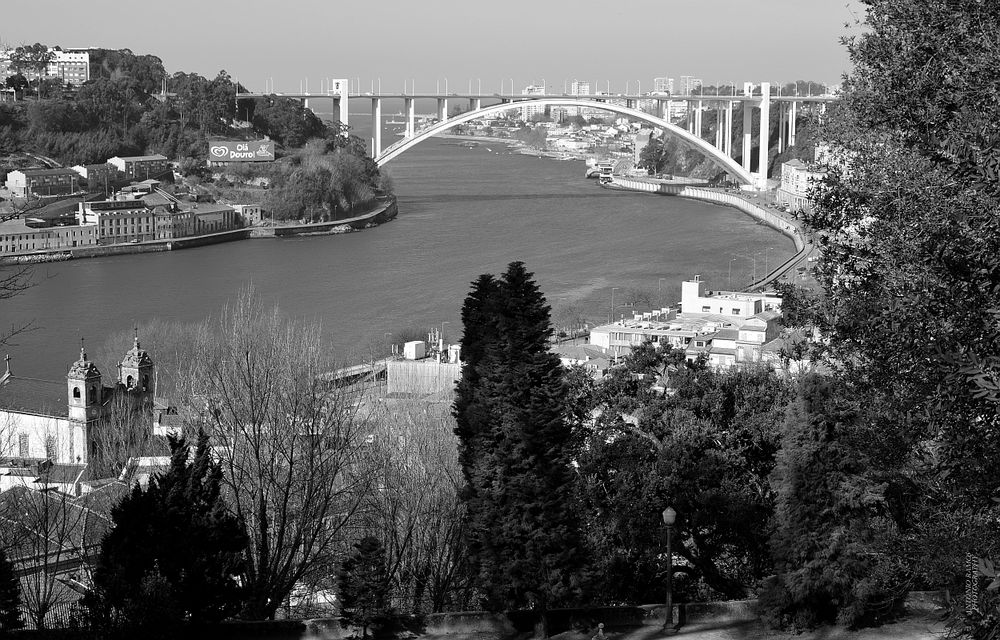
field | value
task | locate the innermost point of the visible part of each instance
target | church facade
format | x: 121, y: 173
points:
x: 60, y: 420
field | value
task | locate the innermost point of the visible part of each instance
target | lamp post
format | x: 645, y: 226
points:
x: 659, y: 291
x: 611, y: 314
x: 731, y: 273
x: 669, y: 517
x: 766, y: 249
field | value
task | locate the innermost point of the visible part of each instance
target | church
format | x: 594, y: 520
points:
x: 61, y: 421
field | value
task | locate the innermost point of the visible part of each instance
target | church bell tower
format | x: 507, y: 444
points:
x: 136, y: 370
x: 84, y: 388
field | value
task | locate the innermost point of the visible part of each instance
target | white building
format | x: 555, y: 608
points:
x: 532, y: 108
x: 737, y: 304
x: 796, y: 180
x: 58, y: 420
x: 663, y: 85
x: 728, y: 327
x: 689, y: 84
x: 70, y: 65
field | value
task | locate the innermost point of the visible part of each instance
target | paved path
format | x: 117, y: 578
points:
x: 918, y: 628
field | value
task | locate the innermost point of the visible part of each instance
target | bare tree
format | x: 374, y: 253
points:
x: 50, y: 538
x: 415, y: 508
x: 124, y: 431
x: 290, y: 445
x: 13, y: 280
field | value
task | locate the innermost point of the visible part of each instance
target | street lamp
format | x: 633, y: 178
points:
x: 731, y: 273
x: 611, y: 314
x: 766, y: 249
x: 669, y: 517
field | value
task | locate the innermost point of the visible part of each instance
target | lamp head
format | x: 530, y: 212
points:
x: 669, y: 516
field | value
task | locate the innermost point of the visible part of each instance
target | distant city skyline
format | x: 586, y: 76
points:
x: 441, y: 42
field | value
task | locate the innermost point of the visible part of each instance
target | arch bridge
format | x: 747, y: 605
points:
x: 721, y: 152
x: 717, y: 156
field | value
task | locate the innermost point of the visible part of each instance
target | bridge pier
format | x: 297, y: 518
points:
x: 728, y: 150
x: 718, y: 125
x: 376, y: 126
x: 781, y: 127
x: 747, y: 132
x: 764, y: 148
x: 475, y: 104
x: 699, y: 131
x: 791, y: 124
x: 663, y: 109
x: 442, y: 111
x: 411, y: 117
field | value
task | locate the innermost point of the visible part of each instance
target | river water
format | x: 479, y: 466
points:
x: 462, y: 212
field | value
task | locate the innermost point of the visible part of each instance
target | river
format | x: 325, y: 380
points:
x: 462, y: 212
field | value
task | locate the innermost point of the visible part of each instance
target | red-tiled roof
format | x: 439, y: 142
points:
x: 29, y: 395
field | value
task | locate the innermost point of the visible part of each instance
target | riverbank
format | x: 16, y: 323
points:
x: 776, y: 220
x: 387, y: 210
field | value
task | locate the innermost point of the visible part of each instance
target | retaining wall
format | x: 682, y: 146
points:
x: 382, y: 214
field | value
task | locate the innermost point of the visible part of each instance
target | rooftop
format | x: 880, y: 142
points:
x: 155, y: 156
x: 30, y: 395
x: 46, y: 172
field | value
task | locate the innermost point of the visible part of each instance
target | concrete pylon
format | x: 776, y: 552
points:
x: 791, y: 123
x: 728, y: 149
x: 377, y: 125
x: 442, y: 112
x: 747, y: 126
x: 697, y: 120
x: 763, y: 149
x: 475, y: 104
x: 718, y: 126
x: 411, y: 117
x: 781, y: 127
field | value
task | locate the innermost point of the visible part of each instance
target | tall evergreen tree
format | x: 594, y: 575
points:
x: 174, y: 535
x: 10, y: 596
x: 830, y: 518
x: 363, y: 584
x: 516, y: 448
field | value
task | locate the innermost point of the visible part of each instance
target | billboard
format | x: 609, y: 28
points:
x: 241, y: 151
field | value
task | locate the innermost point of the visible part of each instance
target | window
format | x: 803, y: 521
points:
x: 736, y: 311
x: 76, y: 392
x: 706, y: 309
x: 22, y: 445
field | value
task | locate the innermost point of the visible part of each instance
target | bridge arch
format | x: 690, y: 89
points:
x: 715, y: 155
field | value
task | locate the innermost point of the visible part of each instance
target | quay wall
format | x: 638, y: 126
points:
x: 383, y: 213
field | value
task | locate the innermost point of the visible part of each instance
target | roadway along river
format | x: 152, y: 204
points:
x: 463, y: 212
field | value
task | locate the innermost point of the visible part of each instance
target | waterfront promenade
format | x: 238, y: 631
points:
x: 385, y: 211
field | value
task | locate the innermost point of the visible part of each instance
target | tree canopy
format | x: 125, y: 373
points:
x: 516, y: 447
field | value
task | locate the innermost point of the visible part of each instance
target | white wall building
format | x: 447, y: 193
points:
x: 532, y: 108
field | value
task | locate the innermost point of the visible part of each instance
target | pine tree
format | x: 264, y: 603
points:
x: 10, y: 596
x: 176, y: 534
x: 829, y: 517
x: 516, y: 448
x: 363, y: 584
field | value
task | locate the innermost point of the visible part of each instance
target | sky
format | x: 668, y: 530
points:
x: 425, y: 43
